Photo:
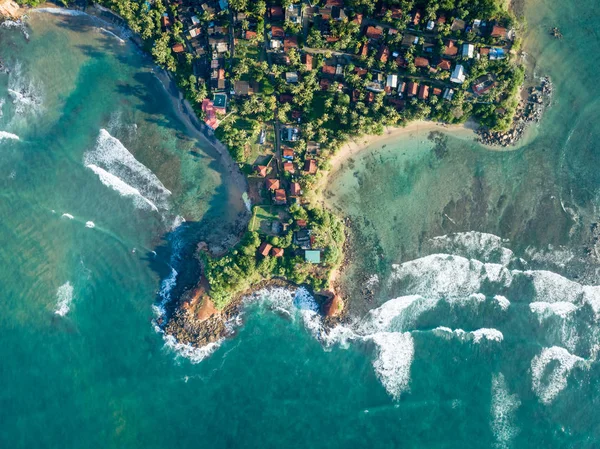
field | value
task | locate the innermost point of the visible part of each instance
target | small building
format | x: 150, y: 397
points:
x: 277, y: 252
x: 165, y: 22
x: 328, y: 70
x: 178, y: 48
x: 307, y: 60
x: 195, y: 20
x: 290, y: 42
x: 444, y: 64
x: 290, y: 134
x: 291, y: 77
x: 430, y: 25
x: 261, y: 170
x: 392, y: 81
x: 412, y: 89
x: 468, y: 51
x: 288, y: 167
x: 250, y: 35
x: 276, y: 12
x: 383, y: 54
x: 242, y: 88
x: 409, y: 40
x: 458, y: 25
x: 295, y: 189
x: 458, y: 75
x: 450, y: 49
x: 312, y: 256
x: 288, y: 154
x: 421, y: 62
x: 277, y: 32
x: 310, y: 166
x: 293, y: 13
x: 374, y: 32
x: 423, y: 92
x: 499, y: 32
x: 272, y: 184
x: 280, y: 197
x: 448, y: 94
x: 264, y: 249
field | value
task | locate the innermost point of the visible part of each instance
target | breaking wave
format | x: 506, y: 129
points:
x: 550, y: 371
x: 90, y: 224
x: 67, y: 215
x: 118, y: 169
x: 7, y: 135
x: 60, y: 11
x: 64, y: 298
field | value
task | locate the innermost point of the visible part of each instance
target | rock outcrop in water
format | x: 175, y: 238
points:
x: 9, y: 9
x: 530, y: 111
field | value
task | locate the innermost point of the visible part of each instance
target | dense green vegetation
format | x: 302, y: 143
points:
x: 242, y: 267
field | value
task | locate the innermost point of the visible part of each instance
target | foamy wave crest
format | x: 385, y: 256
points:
x: 110, y: 33
x: 16, y: 24
x: 166, y: 286
x: 64, y: 298
x: 193, y: 354
x: 67, y: 215
x: 60, y: 11
x: 397, y: 314
x: 503, y: 409
x: 90, y: 224
x: 447, y: 276
x: 476, y: 336
x: 474, y: 245
x: 395, y: 353
x: 550, y: 371
x: 124, y: 173
x: 2, y: 103
x: 122, y: 188
x: 545, y: 309
x: 502, y: 302
x: 7, y: 135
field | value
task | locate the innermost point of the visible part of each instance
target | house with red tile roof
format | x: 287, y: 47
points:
x: 307, y: 60
x: 178, y: 48
x: 277, y: 252
x: 412, y: 89
x: 374, y: 32
x: 295, y: 189
x: 423, y: 92
x: 288, y: 167
x: 328, y: 70
x: 261, y: 170
x: 290, y: 42
x: 250, y: 35
x: 276, y: 12
x: 421, y: 62
x: 272, y: 184
x: 444, y: 64
x: 310, y: 166
x: 498, y: 31
x: 264, y: 249
x: 280, y: 197
x: 277, y: 32
x: 450, y: 49
x: 383, y: 54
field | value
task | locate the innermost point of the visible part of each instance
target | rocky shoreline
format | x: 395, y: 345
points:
x: 530, y: 110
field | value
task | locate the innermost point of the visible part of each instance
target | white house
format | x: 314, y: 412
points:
x: 458, y: 75
x: 430, y: 25
x: 468, y: 50
x: 392, y: 81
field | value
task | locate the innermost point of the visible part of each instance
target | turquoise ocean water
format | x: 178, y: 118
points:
x: 484, y: 329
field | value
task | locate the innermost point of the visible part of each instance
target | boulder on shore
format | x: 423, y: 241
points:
x: 8, y: 8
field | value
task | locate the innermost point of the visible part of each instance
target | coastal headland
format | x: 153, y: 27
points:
x: 286, y: 92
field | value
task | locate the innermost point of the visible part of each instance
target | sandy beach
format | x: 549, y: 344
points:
x: 355, y: 146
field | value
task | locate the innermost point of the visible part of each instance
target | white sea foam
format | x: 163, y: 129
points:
x: 124, y: 189
x: 550, y: 370
x: 67, y: 215
x: 90, y: 224
x: 16, y: 24
x: 60, y: 11
x: 395, y: 314
x: 487, y: 334
x: 25, y: 92
x: 110, y: 33
x: 120, y: 170
x: 166, y: 286
x: 476, y: 336
x: 443, y: 275
x: 502, y: 302
x: 395, y: 353
x: 544, y: 309
x: 2, y: 102
x: 64, y: 298
x: 503, y: 408
x: 7, y: 135
x: 476, y: 245
x: 247, y: 201
x: 193, y: 354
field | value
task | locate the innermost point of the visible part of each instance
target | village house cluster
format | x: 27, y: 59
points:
x: 281, y: 83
